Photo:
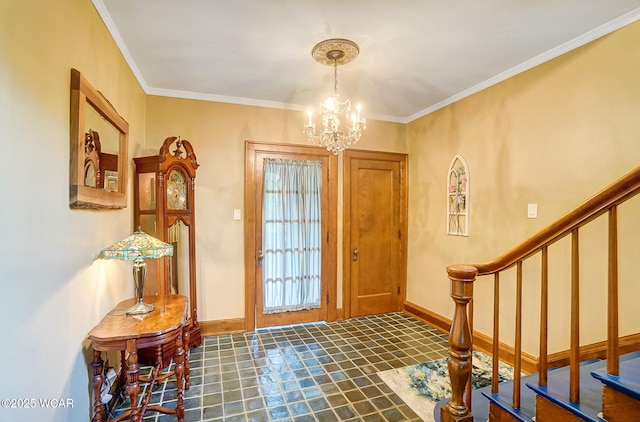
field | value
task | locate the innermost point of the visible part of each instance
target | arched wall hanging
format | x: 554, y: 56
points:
x: 458, y: 197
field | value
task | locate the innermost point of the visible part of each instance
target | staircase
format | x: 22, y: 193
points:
x: 600, y: 382
x: 552, y: 403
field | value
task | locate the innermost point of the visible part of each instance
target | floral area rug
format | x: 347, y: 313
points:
x: 422, y: 386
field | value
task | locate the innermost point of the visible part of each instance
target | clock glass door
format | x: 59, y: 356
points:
x: 178, y: 236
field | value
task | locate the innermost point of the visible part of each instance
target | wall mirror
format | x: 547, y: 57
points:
x: 98, y: 161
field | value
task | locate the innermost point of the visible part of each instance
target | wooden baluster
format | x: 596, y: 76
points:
x: 468, y: 389
x: 574, y: 353
x: 543, y: 366
x: 179, y: 373
x: 517, y: 367
x: 613, y: 359
x: 496, y: 334
x: 460, y: 343
x: 98, y: 378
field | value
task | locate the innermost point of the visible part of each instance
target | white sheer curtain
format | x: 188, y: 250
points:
x: 291, y: 235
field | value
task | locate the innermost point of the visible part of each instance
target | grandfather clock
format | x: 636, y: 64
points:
x: 164, y: 199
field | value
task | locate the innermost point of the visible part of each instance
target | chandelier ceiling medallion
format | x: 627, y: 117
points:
x: 340, y: 127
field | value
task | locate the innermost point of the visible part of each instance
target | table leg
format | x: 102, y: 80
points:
x: 179, y: 372
x: 187, y: 369
x: 133, y: 370
x: 98, y: 366
x: 123, y: 367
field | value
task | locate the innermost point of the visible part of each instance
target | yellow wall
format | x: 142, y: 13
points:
x: 553, y: 136
x: 218, y: 133
x: 54, y: 291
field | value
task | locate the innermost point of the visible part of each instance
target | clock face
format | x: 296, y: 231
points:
x: 176, y: 191
x: 90, y: 174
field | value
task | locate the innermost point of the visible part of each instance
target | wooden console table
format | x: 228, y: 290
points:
x: 168, y: 322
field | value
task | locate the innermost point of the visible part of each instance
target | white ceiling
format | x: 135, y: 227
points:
x: 415, y: 56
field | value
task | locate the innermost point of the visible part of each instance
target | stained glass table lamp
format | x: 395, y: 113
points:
x: 138, y: 246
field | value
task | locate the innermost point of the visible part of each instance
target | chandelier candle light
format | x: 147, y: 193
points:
x: 138, y: 246
x: 340, y: 127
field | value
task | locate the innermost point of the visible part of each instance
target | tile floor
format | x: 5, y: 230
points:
x: 311, y: 372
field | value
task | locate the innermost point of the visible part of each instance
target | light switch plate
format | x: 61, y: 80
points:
x: 532, y: 210
x: 236, y: 214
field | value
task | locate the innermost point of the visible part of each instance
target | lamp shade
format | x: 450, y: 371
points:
x: 138, y: 246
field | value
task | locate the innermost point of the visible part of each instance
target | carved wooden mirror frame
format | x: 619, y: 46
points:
x: 107, y: 188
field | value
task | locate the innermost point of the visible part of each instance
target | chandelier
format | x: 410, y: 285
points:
x: 340, y: 127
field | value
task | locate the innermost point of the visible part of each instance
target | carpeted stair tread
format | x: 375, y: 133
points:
x: 628, y: 381
x: 481, y: 397
x: 590, y: 406
x: 557, y: 391
x: 504, y: 399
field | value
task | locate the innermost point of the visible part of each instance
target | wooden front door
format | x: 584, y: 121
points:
x: 374, y: 247
x: 255, y: 155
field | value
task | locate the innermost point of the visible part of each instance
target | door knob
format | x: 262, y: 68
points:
x: 355, y: 253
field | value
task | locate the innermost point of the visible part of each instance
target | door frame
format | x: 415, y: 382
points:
x: 402, y: 159
x: 253, y: 150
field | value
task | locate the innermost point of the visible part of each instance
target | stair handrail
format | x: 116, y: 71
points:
x: 462, y: 277
x: 616, y: 193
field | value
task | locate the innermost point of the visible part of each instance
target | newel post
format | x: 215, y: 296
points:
x: 460, y: 343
